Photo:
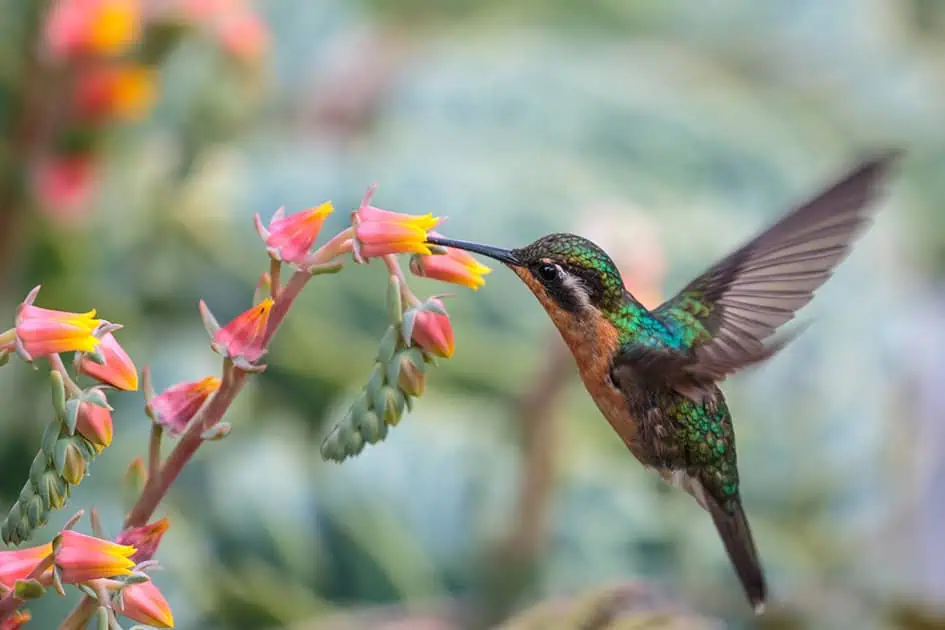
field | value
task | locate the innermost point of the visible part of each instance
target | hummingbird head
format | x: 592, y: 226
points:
x: 571, y: 276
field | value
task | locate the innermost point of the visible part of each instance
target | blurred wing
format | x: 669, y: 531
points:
x: 745, y: 297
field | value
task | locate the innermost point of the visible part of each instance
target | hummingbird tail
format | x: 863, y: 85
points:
x: 736, y: 536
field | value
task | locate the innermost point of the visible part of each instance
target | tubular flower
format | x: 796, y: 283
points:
x: 145, y: 539
x: 178, y: 404
x: 95, y: 424
x: 42, y: 331
x: 105, y: 27
x: 455, y: 266
x: 244, y: 337
x: 81, y: 558
x: 381, y: 232
x: 434, y: 333
x: 145, y: 604
x: 118, y: 371
x: 291, y: 238
x: 16, y: 621
x: 124, y: 92
x: 17, y: 564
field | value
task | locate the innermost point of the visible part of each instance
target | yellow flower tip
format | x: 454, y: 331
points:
x: 207, y: 385
x: 265, y: 306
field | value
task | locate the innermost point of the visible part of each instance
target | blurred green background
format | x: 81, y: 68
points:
x: 668, y: 130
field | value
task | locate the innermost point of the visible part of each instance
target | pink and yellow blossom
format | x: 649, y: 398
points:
x: 245, y: 337
x: 18, y: 564
x: 125, y: 91
x: 381, y: 232
x: 178, y: 404
x: 119, y: 370
x: 145, y: 539
x: 291, y: 238
x: 434, y: 333
x: 81, y: 558
x: 145, y: 604
x: 455, y: 266
x: 43, y: 331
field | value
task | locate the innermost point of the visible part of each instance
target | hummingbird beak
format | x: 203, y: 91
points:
x: 496, y: 253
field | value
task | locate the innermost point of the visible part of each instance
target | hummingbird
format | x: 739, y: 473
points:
x: 654, y: 374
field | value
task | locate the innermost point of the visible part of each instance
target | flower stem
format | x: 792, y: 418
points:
x: 275, y: 279
x: 154, y: 450
x: 80, y: 615
x: 56, y: 362
x: 394, y: 268
x: 8, y: 339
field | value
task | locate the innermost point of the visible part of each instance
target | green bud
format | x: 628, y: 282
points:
x: 38, y: 469
x: 4, y: 357
x: 354, y: 443
x: 137, y: 578
x: 53, y: 491
x: 28, y: 589
x: 36, y: 511
x: 331, y: 446
x: 71, y: 417
x: 410, y: 374
x: 395, y: 303
x: 58, y: 387
x: 133, y: 483
x: 372, y: 428
x: 69, y: 460
x: 406, y: 328
x: 433, y: 306
x: 375, y: 382
x: 388, y: 347
x: 389, y: 404
x: 97, y: 397
x: 50, y: 436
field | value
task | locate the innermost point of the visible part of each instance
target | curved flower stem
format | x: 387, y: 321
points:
x: 56, y: 362
x: 394, y: 268
x: 80, y: 615
x: 275, y: 279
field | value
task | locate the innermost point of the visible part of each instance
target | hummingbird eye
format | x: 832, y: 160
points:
x: 548, y: 272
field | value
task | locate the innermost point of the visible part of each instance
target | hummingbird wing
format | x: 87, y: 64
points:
x: 728, y: 311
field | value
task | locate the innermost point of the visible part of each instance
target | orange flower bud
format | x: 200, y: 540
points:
x: 291, y: 238
x: 244, y: 337
x: 434, y: 333
x: 145, y: 604
x: 145, y: 539
x: 94, y: 423
x: 177, y: 405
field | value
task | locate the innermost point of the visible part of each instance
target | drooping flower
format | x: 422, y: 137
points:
x: 43, y: 331
x: 434, y: 333
x: 244, y: 337
x: 16, y: 621
x: 145, y: 539
x: 380, y: 232
x: 95, y: 424
x: 118, y: 370
x: 455, y: 266
x: 178, y: 404
x: 291, y: 238
x: 83, y: 27
x: 17, y: 564
x: 125, y: 91
x: 81, y: 558
x: 145, y: 604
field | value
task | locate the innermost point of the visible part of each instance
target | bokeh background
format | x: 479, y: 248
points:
x: 667, y: 130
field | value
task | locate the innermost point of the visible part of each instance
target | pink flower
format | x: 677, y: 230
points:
x: 145, y: 539
x: 95, y: 425
x: 145, y: 604
x: 118, y: 371
x: 81, y: 558
x: 178, y: 404
x: 244, y: 337
x: 243, y: 35
x: 381, y: 232
x: 291, y: 238
x: 454, y: 266
x: 17, y: 564
x: 81, y: 27
x: 43, y: 331
x: 434, y: 333
x: 64, y: 185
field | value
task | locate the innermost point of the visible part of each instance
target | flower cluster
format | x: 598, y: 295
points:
x: 112, y: 574
x: 419, y: 331
x: 108, y: 52
x: 82, y: 424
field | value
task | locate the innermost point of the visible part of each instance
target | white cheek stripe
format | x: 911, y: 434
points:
x: 576, y: 288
